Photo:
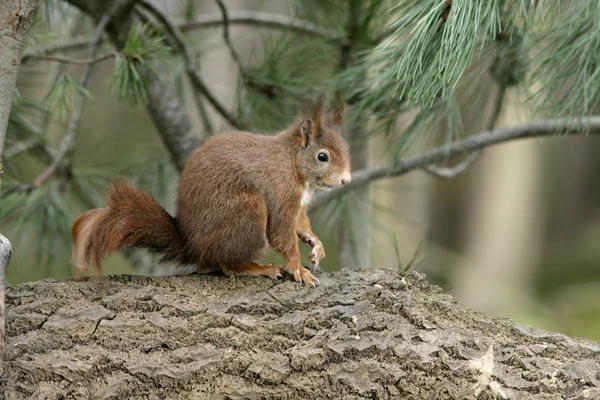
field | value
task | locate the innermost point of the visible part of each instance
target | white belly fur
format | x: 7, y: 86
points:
x: 306, y: 196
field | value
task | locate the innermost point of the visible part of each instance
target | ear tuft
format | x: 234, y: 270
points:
x: 335, y: 113
x: 307, y: 126
x: 310, y: 126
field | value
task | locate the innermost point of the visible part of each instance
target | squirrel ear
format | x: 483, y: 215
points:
x: 310, y: 127
x: 307, y: 127
x: 335, y: 113
x: 316, y: 113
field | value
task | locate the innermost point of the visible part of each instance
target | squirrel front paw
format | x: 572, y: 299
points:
x: 305, y: 276
x: 318, y: 252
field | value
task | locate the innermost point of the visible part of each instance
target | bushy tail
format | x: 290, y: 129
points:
x: 131, y: 218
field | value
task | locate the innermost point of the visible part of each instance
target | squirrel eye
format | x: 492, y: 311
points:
x: 323, y: 157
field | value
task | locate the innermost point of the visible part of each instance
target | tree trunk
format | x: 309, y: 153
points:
x: 361, y: 334
x: 356, y: 226
x: 15, y: 20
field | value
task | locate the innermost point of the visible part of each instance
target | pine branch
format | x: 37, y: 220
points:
x: 178, y: 42
x: 454, y: 171
x: 473, y: 143
x: 251, y: 18
x: 68, y: 60
x: 69, y: 138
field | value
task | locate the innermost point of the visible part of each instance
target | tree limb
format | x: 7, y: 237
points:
x: 455, y: 149
x: 252, y: 18
x: 362, y: 334
x: 455, y: 170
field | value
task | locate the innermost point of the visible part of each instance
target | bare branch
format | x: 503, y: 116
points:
x: 252, y: 18
x: 78, y: 43
x: 20, y: 147
x: 264, y: 19
x: 178, y: 42
x: 69, y: 138
x: 452, y: 172
x: 578, y: 125
x: 68, y: 60
x: 206, y: 121
x: 226, y: 38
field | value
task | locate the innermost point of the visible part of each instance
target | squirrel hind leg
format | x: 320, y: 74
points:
x: 252, y: 269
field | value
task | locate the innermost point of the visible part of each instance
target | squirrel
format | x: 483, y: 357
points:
x: 239, y: 193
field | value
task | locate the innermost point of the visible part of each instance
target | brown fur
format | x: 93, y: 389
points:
x: 238, y: 194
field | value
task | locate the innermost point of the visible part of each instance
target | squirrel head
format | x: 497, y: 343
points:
x: 323, y: 158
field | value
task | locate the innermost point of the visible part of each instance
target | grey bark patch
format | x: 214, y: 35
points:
x: 360, y: 334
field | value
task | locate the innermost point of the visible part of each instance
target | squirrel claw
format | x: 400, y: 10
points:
x: 304, y: 276
x: 275, y: 271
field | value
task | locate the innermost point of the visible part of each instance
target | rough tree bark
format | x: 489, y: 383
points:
x: 360, y: 334
x: 15, y: 21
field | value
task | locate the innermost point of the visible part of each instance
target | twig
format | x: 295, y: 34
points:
x: 69, y: 138
x: 21, y: 147
x: 451, y: 172
x: 68, y: 60
x: 264, y: 19
x: 208, y: 126
x: 227, y: 40
x: 252, y: 18
x: 577, y: 125
x: 178, y: 42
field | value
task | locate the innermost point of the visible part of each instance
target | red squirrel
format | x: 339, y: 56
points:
x: 238, y: 193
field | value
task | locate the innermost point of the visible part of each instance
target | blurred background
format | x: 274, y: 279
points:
x: 517, y: 234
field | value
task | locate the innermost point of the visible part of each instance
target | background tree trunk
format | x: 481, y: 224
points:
x: 361, y: 334
x: 355, y: 232
x: 506, y: 227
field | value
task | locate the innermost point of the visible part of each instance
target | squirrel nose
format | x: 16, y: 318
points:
x: 346, y: 179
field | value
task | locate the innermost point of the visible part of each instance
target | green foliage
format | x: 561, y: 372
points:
x: 19, y: 126
x: 415, y: 261
x: 567, y: 63
x: 41, y: 218
x: 65, y: 94
x: 273, y: 90
x: 130, y: 75
x: 432, y: 45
